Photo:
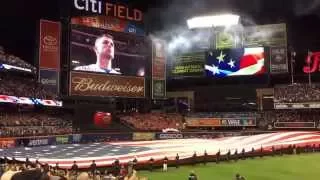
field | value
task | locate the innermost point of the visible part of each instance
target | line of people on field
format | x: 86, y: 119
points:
x: 122, y: 171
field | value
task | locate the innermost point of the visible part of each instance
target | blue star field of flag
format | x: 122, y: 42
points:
x: 221, y: 63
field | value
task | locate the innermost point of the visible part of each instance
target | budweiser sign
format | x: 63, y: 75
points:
x: 88, y: 84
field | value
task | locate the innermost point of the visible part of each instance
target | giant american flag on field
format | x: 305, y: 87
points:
x: 235, y: 62
x: 105, y: 153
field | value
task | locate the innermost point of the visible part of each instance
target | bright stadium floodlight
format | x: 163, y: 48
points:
x: 213, y: 21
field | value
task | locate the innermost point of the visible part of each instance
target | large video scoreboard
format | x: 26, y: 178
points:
x: 110, y: 55
x: 107, y: 63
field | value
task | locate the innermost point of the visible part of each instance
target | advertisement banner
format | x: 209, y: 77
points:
x: 169, y: 136
x: 37, y: 142
x: 109, y: 23
x: 158, y: 69
x: 108, y: 52
x: 62, y: 139
x: 87, y: 138
x: 49, y: 45
x: 278, y: 60
x: 89, y: 84
x: 142, y: 136
x: 203, y: 122
x: 217, y: 122
x: 7, y: 143
x: 158, y: 89
x: 50, y: 80
x: 231, y: 122
x: 238, y: 122
x: 76, y: 138
x: 265, y: 35
x: 304, y: 125
x: 248, y: 122
x: 158, y: 59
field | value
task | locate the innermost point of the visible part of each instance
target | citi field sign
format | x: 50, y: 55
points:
x: 100, y: 7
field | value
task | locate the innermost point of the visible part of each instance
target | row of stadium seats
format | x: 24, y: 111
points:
x: 23, y: 87
x: 290, y: 116
x: 19, y: 85
x: 297, y: 93
x: 153, y: 121
x: 222, y: 114
x: 33, y: 124
x: 31, y: 119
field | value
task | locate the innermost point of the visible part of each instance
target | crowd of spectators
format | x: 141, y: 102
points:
x: 33, y: 124
x: 20, y: 85
x: 15, y: 170
x: 297, y: 93
x: 297, y: 116
x: 23, y: 87
x: 289, y: 116
x: 222, y: 114
x: 13, y: 60
x: 155, y: 121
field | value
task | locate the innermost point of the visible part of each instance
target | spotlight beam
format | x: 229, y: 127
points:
x: 213, y: 21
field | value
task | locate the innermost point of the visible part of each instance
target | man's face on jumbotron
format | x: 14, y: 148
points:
x: 104, y: 47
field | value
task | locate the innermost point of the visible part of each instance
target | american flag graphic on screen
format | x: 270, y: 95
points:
x: 235, y: 62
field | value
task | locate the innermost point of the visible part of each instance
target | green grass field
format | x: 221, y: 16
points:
x: 287, y: 167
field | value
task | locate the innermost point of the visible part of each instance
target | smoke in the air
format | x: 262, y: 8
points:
x: 169, y: 22
x: 306, y: 7
x: 174, y: 28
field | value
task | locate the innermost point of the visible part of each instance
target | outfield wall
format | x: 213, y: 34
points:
x: 33, y: 141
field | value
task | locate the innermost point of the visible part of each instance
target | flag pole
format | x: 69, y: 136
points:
x: 309, y: 74
x: 293, y: 54
x: 214, y: 41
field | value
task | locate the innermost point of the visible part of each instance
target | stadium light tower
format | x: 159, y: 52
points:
x: 224, y: 20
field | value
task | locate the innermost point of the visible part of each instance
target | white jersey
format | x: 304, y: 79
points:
x: 96, y: 68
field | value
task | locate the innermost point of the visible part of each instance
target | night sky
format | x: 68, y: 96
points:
x: 19, y: 18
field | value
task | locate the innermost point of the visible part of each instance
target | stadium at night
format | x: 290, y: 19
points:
x: 97, y: 89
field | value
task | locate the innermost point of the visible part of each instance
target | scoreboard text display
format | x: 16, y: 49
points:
x: 187, y: 65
